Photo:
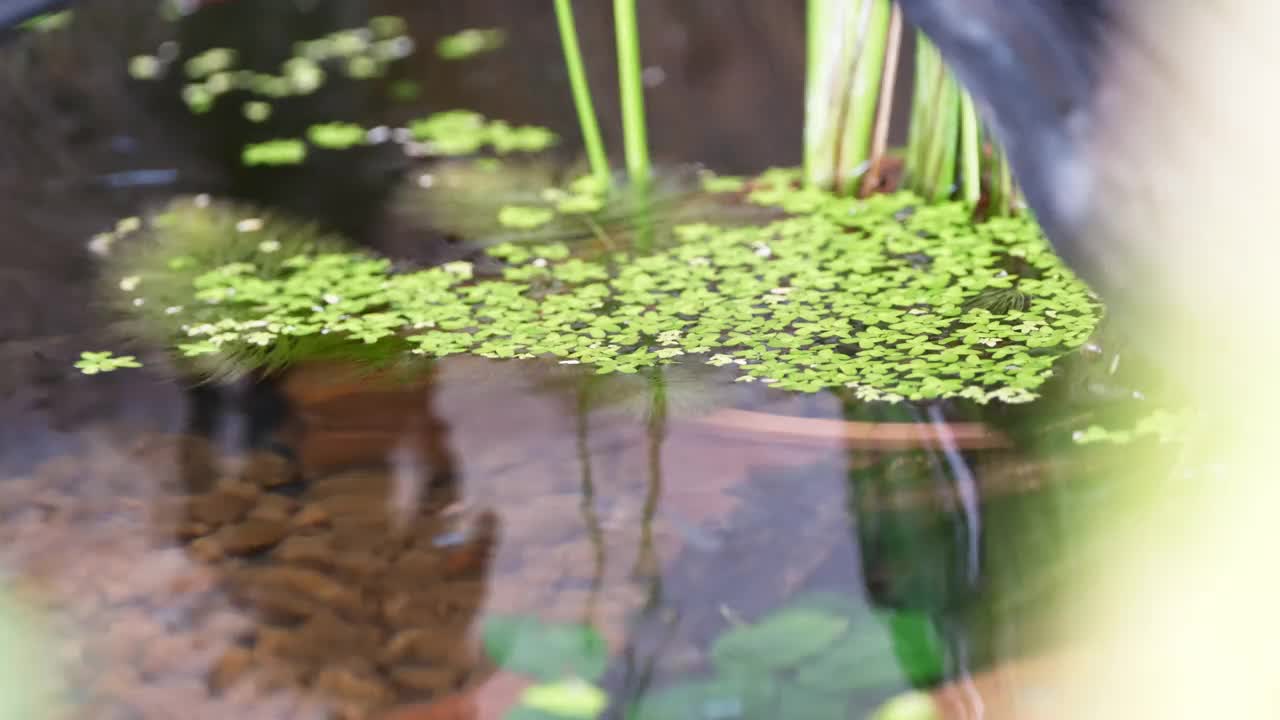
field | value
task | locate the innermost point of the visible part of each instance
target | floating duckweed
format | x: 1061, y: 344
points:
x: 256, y: 111
x: 404, y: 90
x: 529, y: 138
x: 722, y: 183
x: 348, y: 42
x: 210, y: 61
x: 580, y: 204
x: 305, y: 76
x: 145, y: 67
x: 470, y: 42
x: 523, y: 217
x: 388, y: 26
x: 219, y: 83
x: 362, y: 67
x: 198, y: 99
x: 274, y: 152
x: 93, y: 363
x: 336, y: 135
x: 463, y: 132
x: 868, y: 295
x: 393, y: 49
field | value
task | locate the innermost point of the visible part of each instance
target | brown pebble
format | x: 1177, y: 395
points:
x: 252, y: 535
x: 311, y: 516
x: 309, y: 550
x: 173, y: 655
x: 226, y: 503
x: 207, y: 549
x: 354, y: 686
x: 425, y: 679
x: 268, y: 470
x: 192, y: 529
x: 434, y: 646
x: 273, y: 506
x: 298, y: 583
x: 229, y: 668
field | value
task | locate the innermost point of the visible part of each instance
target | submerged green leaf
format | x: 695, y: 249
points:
x: 549, y: 652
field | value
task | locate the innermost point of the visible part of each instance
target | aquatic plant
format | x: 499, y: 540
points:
x: 874, y: 295
x: 813, y: 658
x: 631, y: 88
x: 565, y: 659
x: 852, y: 58
x: 847, y: 47
x: 359, y: 53
x: 92, y: 363
x: 582, y: 93
x: 463, y: 132
x: 470, y: 42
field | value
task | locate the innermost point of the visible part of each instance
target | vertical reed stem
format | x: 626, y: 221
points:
x: 581, y: 92
x: 631, y: 87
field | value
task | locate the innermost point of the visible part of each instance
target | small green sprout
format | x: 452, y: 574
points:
x: 912, y: 705
x: 388, y: 26
x: 462, y: 132
x: 92, y: 363
x: 336, y: 135
x: 470, y: 42
x: 198, y: 98
x: 145, y: 67
x: 256, y: 111
x: 304, y: 75
x: 213, y: 60
x: 274, y: 152
x: 524, y: 218
x: 572, y: 698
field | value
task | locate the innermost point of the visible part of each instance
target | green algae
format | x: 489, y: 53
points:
x: 358, y: 53
x: 336, y: 135
x: 872, y: 295
x: 464, y: 132
x: 274, y: 152
x: 470, y: 42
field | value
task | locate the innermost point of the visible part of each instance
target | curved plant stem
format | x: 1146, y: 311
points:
x: 581, y: 92
x: 970, y: 152
x: 631, y: 86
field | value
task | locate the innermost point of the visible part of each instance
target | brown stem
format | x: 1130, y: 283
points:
x: 884, y: 111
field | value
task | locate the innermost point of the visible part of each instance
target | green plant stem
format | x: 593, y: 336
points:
x: 631, y: 87
x: 847, y: 44
x: 581, y: 92
x: 933, y: 143
x: 1003, y: 189
x: 970, y: 152
x: 813, y: 102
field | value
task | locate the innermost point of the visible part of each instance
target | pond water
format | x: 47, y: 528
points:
x: 332, y: 542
